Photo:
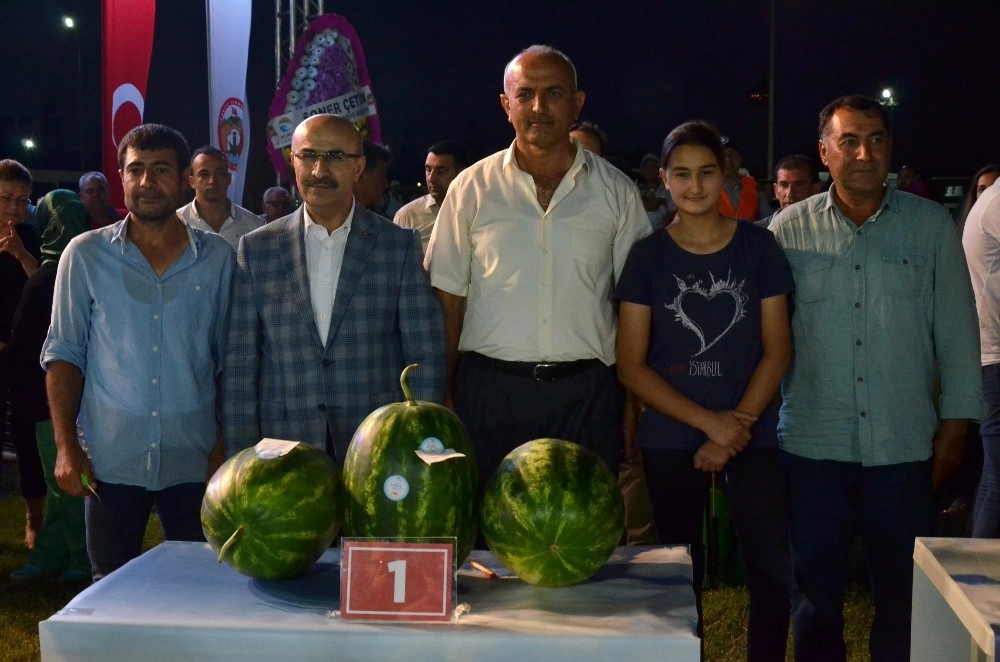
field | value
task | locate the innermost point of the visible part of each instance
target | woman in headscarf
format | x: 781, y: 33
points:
x: 61, y: 548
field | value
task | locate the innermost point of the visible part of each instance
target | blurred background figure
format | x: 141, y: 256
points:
x: 19, y: 253
x: 97, y: 200
x: 981, y: 181
x: 60, y: 547
x: 370, y: 187
x: 277, y: 202
x: 590, y: 136
x: 445, y: 159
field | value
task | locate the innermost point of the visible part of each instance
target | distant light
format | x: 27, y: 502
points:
x: 419, y: 184
x: 28, y: 143
x: 887, y: 93
x: 68, y: 22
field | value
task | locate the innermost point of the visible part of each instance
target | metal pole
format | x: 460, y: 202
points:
x: 770, y: 95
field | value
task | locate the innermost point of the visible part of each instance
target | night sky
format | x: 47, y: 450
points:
x: 437, y: 67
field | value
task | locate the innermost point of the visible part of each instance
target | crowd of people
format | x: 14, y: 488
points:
x: 823, y: 360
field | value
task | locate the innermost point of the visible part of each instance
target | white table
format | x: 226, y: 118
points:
x: 956, y: 599
x: 176, y: 602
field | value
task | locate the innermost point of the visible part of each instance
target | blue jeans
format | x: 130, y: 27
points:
x: 754, y: 484
x: 830, y: 502
x: 986, y: 515
x: 117, y: 523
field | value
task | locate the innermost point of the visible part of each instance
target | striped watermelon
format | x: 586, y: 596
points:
x: 394, y: 493
x: 270, y: 511
x: 552, y: 512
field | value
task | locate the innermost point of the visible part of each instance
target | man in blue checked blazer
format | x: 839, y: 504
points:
x: 329, y: 304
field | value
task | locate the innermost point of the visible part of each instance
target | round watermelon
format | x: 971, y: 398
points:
x: 271, y: 512
x: 411, y: 472
x: 552, y: 512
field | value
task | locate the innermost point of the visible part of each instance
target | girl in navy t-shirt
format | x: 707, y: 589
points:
x: 703, y: 341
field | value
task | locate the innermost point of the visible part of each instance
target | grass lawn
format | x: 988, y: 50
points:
x: 24, y: 604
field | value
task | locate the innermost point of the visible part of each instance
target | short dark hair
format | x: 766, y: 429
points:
x: 452, y: 148
x: 798, y: 162
x: 594, y: 130
x: 698, y: 133
x: 147, y: 137
x: 208, y: 150
x: 866, y: 105
x: 14, y: 171
x: 375, y: 154
x: 93, y: 174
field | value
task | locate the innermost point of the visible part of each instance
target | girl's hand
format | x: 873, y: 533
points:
x: 711, y: 457
x: 729, y: 429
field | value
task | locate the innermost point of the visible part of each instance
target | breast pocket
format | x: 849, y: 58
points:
x: 903, y: 274
x: 811, y: 279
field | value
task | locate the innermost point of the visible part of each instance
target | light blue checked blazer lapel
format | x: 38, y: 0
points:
x: 292, y: 250
x: 360, y: 242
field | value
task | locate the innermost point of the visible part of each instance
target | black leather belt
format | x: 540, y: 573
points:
x: 542, y: 371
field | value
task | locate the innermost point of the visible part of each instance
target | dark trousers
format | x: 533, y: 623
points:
x: 986, y: 517
x: 503, y: 411
x: 117, y: 522
x: 830, y: 501
x: 754, y: 485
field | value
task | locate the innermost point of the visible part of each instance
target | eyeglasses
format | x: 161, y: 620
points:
x: 333, y: 157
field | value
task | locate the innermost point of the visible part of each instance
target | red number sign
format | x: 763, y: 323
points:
x: 394, y: 581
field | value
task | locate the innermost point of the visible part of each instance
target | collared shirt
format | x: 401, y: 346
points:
x: 981, y: 240
x: 419, y: 215
x: 537, y: 282
x: 324, y: 257
x: 880, y: 311
x: 149, y: 347
x: 240, y: 222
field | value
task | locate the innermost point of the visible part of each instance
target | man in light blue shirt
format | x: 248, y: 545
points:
x: 132, y: 355
x: 883, y: 307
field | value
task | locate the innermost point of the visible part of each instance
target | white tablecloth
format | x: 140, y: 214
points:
x: 176, y: 602
x: 956, y: 599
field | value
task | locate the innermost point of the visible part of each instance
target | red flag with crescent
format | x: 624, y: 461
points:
x: 128, y: 49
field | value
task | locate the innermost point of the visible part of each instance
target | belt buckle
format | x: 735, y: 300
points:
x: 542, y: 366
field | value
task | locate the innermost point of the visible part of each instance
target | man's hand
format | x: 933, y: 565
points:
x: 949, y: 449
x: 729, y: 429
x: 711, y: 457
x: 72, y: 461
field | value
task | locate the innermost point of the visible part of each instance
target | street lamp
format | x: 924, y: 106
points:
x: 70, y: 24
x: 27, y: 143
x: 887, y: 98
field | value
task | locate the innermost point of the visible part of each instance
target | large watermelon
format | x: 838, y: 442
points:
x: 395, y: 493
x: 552, y: 512
x: 271, y: 510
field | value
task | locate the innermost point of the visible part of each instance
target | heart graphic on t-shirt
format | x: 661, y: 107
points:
x: 709, y: 312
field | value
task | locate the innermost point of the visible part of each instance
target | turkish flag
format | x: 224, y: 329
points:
x: 128, y: 49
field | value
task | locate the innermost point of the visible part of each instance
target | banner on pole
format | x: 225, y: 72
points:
x: 228, y: 24
x: 127, y: 50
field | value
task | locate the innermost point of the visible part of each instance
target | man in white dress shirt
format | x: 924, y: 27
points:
x: 524, y: 256
x: 444, y: 161
x: 212, y: 210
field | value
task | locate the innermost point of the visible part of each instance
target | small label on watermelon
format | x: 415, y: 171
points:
x: 268, y: 449
x: 438, y: 456
x: 396, y: 488
x: 432, y: 445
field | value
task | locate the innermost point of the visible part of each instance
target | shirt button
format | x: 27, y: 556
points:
x: 864, y: 414
x: 861, y: 379
x: 155, y: 414
x: 857, y: 342
x: 321, y: 407
x: 857, y: 267
x: 860, y: 233
x: 197, y: 288
x: 857, y: 304
x: 154, y: 380
x: 156, y: 348
x: 156, y: 317
x: 159, y: 286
